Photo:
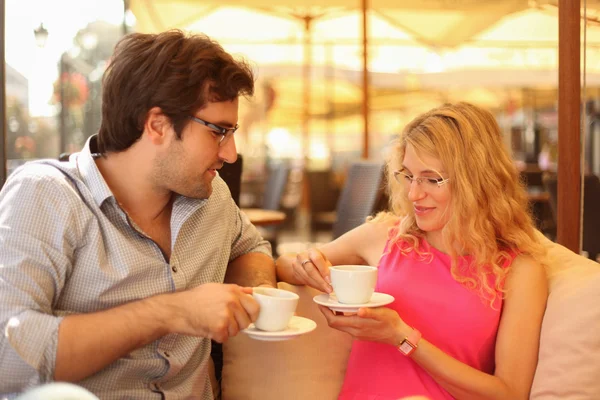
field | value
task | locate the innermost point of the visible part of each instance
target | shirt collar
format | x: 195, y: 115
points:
x: 90, y: 174
x: 93, y: 179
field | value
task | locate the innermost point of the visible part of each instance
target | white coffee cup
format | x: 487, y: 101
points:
x: 353, y: 284
x: 277, y: 307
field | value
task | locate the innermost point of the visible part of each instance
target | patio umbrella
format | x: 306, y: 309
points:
x: 435, y: 23
x: 310, y: 19
x: 435, y: 45
x: 431, y: 24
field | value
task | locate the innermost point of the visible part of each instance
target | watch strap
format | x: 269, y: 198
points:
x: 410, y: 342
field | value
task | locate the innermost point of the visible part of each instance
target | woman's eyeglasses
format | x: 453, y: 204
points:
x: 406, y: 179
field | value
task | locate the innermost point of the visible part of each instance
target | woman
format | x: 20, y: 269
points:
x: 459, y: 253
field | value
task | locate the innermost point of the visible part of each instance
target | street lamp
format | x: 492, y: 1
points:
x: 41, y: 35
x: 89, y: 41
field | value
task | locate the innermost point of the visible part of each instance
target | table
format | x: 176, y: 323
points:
x: 536, y: 196
x: 262, y: 217
x: 539, y: 199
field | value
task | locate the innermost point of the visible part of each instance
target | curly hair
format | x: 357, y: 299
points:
x: 490, y: 219
x: 177, y: 72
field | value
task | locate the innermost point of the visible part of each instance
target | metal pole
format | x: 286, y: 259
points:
x: 569, y: 109
x: 306, y: 72
x: 64, y: 104
x: 365, y: 80
x: 330, y: 97
x: 306, y: 86
x: 124, y: 27
x: 3, y: 152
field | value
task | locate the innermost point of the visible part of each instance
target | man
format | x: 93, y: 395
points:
x: 112, y: 264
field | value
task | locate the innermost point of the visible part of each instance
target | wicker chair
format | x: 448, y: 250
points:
x: 323, y: 197
x: 277, y: 179
x: 360, y: 196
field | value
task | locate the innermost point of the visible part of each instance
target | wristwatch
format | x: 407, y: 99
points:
x: 410, y: 343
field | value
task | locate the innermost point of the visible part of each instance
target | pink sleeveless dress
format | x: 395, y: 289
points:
x: 450, y: 316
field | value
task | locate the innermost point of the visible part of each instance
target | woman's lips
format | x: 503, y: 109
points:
x: 420, y: 210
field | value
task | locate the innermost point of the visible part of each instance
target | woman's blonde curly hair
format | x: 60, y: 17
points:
x: 490, y: 219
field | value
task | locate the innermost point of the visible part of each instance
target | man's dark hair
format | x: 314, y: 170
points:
x: 177, y: 72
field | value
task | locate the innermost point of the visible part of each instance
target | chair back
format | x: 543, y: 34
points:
x: 277, y: 178
x: 232, y: 175
x: 360, y: 196
x: 323, y: 192
x: 591, y: 211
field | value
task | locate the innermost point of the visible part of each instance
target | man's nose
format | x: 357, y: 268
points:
x: 228, y: 151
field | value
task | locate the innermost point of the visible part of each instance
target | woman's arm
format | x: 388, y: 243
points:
x: 362, y: 245
x: 516, y: 345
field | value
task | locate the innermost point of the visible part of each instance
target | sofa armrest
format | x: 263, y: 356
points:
x: 569, y: 355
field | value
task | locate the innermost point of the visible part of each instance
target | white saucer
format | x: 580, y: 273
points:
x: 377, y: 300
x: 297, y: 326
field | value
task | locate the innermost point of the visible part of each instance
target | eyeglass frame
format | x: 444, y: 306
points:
x: 440, y: 182
x: 219, y: 130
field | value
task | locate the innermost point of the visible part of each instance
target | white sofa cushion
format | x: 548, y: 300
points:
x: 569, y: 356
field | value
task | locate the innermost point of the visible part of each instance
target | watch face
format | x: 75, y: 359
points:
x: 406, y: 347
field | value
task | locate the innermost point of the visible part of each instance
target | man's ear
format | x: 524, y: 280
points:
x: 157, y: 126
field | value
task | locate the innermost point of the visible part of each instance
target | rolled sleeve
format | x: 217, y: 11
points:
x: 37, y: 237
x: 247, y: 239
x: 28, y: 350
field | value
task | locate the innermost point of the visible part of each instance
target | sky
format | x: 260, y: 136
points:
x: 62, y: 19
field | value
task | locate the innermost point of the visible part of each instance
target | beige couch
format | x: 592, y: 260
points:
x: 312, y: 366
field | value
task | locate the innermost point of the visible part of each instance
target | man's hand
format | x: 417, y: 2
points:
x: 213, y: 310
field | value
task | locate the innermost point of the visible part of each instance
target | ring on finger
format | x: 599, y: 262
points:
x: 306, y: 261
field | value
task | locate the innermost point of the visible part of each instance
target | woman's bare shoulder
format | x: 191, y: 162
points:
x: 525, y: 271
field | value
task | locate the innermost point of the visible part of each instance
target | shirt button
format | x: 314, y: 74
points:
x: 174, y: 268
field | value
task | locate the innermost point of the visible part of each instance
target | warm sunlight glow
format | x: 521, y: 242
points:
x: 40, y: 65
x: 283, y: 144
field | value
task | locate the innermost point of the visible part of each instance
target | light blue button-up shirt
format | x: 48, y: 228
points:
x: 66, y: 247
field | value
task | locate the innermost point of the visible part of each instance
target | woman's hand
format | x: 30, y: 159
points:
x: 312, y: 268
x: 380, y: 324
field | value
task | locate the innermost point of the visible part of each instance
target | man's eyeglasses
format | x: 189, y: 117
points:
x: 406, y: 179
x: 225, y: 133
